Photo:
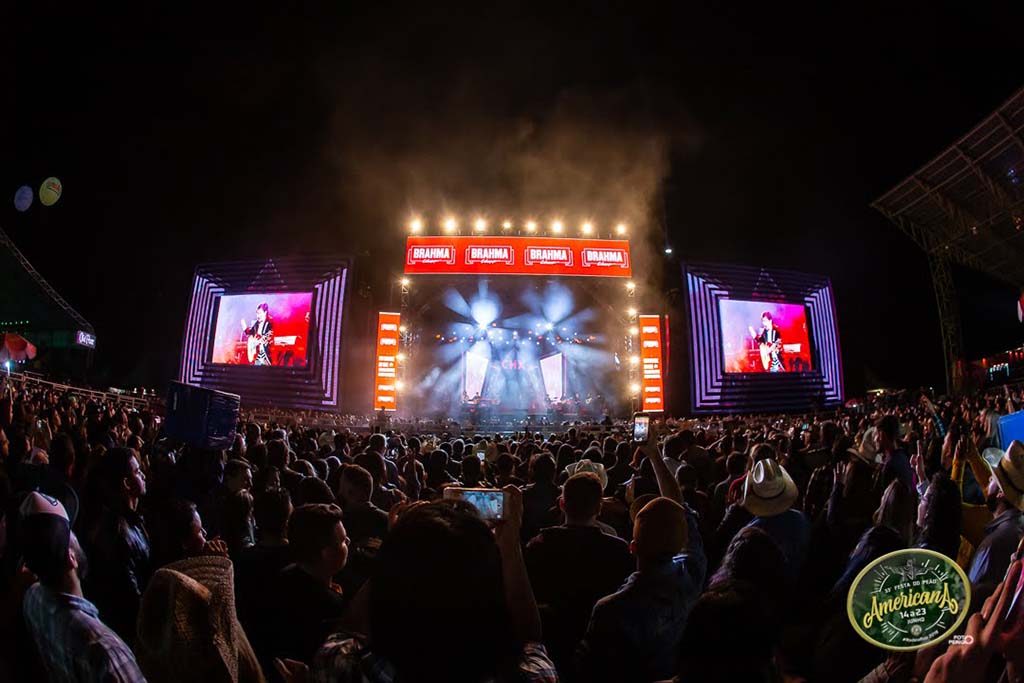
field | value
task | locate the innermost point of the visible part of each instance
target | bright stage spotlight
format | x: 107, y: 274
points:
x: 404, y: 282
x: 450, y: 224
x: 620, y: 229
x: 400, y: 356
x: 531, y: 226
x: 634, y: 331
x: 506, y: 225
x: 549, y: 327
x: 403, y: 329
x: 416, y: 225
x: 668, y: 250
x: 634, y: 388
x: 480, y: 225
x: 399, y: 385
x: 631, y: 312
x: 587, y: 228
x: 630, y: 285
x: 557, y: 227
x: 634, y: 360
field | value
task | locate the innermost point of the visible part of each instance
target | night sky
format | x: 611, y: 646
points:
x: 757, y: 136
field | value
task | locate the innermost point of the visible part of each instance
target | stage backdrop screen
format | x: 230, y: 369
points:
x: 763, y: 336
x: 235, y: 339
x: 516, y: 347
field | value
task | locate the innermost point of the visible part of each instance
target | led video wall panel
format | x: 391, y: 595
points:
x: 385, y: 366
x: 652, y: 384
x: 268, y: 330
x: 507, y: 255
x: 761, y: 340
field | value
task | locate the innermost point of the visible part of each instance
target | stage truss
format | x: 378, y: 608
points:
x: 966, y: 206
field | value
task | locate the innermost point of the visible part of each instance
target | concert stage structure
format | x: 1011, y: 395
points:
x: 509, y: 330
x: 966, y: 207
x: 761, y: 340
x: 513, y: 328
x: 269, y: 330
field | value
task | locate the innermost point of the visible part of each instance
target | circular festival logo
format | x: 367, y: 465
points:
x: 908, y: 600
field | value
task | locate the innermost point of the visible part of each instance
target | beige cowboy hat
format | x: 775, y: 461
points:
x: 187, y: 628
x: 1009, y: 472
x: 866, y: 450
x: 587, y: 465
x: 768, y: 489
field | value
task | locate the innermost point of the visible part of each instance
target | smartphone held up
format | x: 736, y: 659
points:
x: 490, y: 503
x: 641, y: 428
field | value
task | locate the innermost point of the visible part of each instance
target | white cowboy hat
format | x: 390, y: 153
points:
x: 1009, y: 472
x: 768, y: 489
x: 587, y: 465
x: 866, y: 450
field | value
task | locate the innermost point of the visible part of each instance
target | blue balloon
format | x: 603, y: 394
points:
x: 23, y: 198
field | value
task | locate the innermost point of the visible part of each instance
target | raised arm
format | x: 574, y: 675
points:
x: 667, y: 484
x: 522, y: 605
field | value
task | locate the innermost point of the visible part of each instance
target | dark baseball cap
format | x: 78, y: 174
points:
x: 44, y: 534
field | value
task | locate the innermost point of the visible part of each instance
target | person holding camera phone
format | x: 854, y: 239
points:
x: 470, y: 588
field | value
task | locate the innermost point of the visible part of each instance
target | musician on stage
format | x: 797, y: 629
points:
x: 260, y: 336
x: 770, y: 342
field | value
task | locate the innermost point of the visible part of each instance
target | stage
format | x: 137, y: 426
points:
x: 498, y: 350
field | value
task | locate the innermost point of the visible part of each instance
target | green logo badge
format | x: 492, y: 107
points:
x: 908, y: 600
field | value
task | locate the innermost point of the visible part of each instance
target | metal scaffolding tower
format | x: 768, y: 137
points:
x: 966, y: 207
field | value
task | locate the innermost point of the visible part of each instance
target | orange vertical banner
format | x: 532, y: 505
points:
x: 652, y: 386
x: 385, y: 378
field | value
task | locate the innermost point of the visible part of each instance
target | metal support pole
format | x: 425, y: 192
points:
x: 949, y: 320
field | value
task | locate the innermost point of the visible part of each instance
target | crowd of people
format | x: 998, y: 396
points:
x: 719, y: 549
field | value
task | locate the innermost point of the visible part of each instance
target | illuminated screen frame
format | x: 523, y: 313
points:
x: 713, y: 391
x: 316, y: 386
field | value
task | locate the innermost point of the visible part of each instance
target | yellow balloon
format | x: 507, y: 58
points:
x: 49, y: 191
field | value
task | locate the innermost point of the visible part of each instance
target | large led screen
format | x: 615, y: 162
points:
x: 263, y: 330
x: 760, y: 336
x: 515, y: 347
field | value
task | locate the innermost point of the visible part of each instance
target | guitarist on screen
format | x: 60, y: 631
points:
x: 770, y: 342
x: 260, y: 336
